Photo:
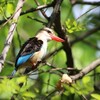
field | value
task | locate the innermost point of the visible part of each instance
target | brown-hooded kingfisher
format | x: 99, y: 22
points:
x: 34, y: 49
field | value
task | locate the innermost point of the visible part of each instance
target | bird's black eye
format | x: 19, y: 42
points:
x: 48, y: 31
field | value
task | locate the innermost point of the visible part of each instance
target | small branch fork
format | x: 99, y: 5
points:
x: 70, y: 79
x: 11, y: 33
x: 86, y: 70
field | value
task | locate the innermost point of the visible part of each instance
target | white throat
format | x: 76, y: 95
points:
x: 44, y: 48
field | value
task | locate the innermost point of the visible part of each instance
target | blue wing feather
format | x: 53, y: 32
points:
x: 23, y: 59
x: 27, y: 50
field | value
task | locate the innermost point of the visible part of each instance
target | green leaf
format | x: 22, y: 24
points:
x: 9, y: 9
x: 26, y: 85
x: 96, y: 96
x: 21, y: 79
x: 86, y: 79
x: 56, y: 97
x: 44, y: 1
x: 75, y: 23
x: 9, y: 87
x: 69, y: 30
x: 73, y: 26
x: 28, y: 94
x: 1, y: 10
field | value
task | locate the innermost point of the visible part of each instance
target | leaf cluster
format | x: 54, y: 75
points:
x: 16, y: 88
x: 74, y: 26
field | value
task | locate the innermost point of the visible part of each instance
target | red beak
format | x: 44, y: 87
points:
x: 56, y: 38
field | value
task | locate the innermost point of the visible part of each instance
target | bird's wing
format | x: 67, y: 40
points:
x: 27, y: 50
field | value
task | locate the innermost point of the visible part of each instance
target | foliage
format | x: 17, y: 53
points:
x: 45, y: 87
x: 25, y: 88
x: 79, y: 89
x: 96, y: 96
x: 16, y: 88
x: 73, y: 26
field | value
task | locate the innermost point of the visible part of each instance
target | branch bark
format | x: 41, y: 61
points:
x: 66, y: 44
x: 86, y: 70
x: 55, y: 19
x: 11, y: 33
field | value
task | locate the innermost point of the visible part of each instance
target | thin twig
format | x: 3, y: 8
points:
x: 42, y: 11
x: 40, y: 21
x: 86, y: 13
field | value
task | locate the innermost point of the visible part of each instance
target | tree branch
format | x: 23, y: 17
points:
x: 55, y: 18
x: 62, y: 34
x: 11, y: 33
x: 55, y: 11
x: 29, y: 11
x: 86, y: 70
x: 42, y: 11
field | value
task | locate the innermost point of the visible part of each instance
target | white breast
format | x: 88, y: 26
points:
x: 40, y: 54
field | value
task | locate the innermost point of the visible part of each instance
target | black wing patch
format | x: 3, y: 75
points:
x: 30, y: 46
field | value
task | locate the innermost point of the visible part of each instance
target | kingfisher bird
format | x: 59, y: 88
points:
x: 34, y: 49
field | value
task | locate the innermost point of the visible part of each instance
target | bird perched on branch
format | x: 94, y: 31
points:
x: 34, y: 49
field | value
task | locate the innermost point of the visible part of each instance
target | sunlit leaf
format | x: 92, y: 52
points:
x: 44, y: 1
x: 75, y: 23
x: 21, y: 79
x: 86, y: 79
x: 96, y: 96
x: 73, y: 26
x: 28, y: 94
x: 10, y: 9
x: 56, y: 97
